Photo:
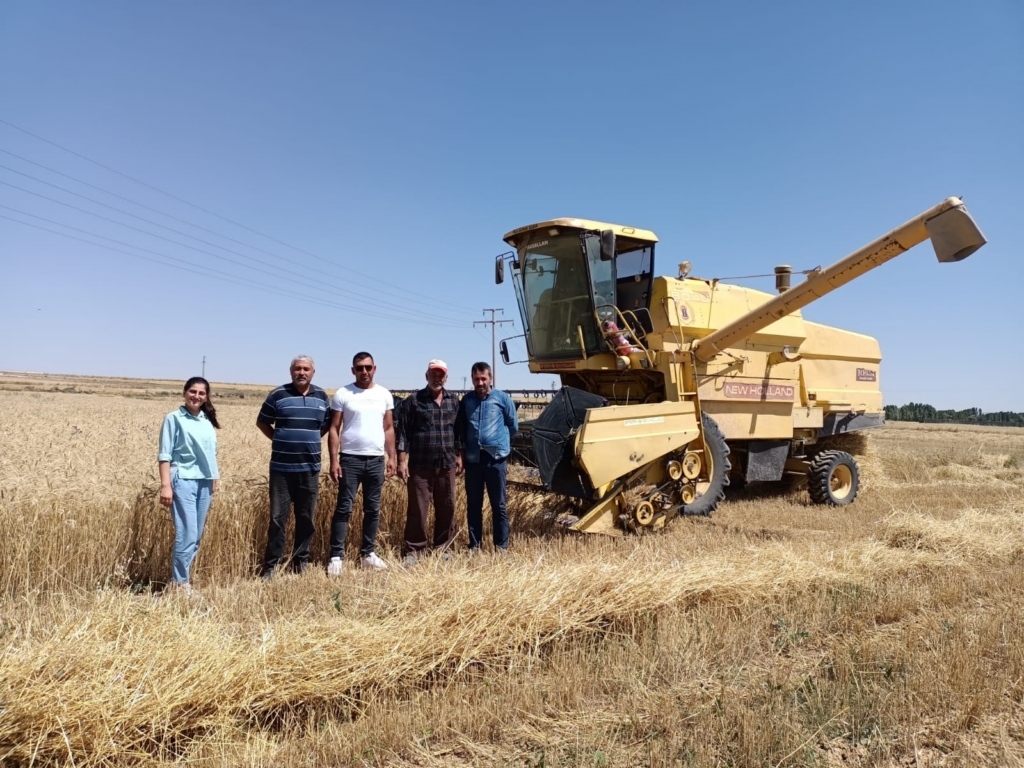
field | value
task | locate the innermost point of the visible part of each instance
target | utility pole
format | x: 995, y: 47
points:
x: 204, y: 366
x: 493, y: 323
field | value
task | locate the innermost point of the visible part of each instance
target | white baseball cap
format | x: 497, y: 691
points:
x: 438, y: 364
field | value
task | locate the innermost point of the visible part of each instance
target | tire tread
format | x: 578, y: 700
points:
x: 819, y: 477
x: 708, y: 502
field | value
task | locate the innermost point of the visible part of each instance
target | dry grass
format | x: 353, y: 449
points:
x: 776, y: 633
x: 13, y: 381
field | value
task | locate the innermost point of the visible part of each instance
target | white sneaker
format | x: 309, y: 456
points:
x: 334, y: 567
x: 372, y: 561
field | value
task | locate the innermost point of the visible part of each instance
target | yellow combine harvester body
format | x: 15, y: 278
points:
x: 674, y: 386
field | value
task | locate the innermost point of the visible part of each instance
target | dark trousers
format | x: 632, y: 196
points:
x: 490, y: 474
x: 369, y: 471
x: 286, y: 489
x: 426, y: 484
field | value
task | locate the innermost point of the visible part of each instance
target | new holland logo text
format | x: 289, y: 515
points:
x: 747, y: 391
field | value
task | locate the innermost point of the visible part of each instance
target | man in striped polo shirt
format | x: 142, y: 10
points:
x: 295, y: 417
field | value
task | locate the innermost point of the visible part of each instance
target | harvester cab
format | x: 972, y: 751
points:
x: 578, y: 284
x: 674, y: 386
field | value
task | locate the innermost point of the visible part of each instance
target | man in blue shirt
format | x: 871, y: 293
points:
x: 295, y: 417
x: 485, y: 425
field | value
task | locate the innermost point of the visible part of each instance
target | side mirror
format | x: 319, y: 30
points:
x: 503, y: 347
x: 499, y: 270
x: 607, y: 245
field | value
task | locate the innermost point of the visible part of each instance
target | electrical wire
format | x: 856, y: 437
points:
x: 161, y: 213
x: 318, y: 286
x: 208, y: 271
x: 198, y: 207
x: 166, y: 256
x: 185, y: 234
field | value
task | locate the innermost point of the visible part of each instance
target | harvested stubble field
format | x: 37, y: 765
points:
x: 888, y: 633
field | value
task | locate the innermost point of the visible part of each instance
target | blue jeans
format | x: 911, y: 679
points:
x: 189, y: 508
x: 368, y: 470
x: 488, y: 473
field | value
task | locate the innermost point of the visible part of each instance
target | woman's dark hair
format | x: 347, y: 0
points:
x: 207, y: 407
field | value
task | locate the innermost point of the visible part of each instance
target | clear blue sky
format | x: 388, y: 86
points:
x: 401, y: 140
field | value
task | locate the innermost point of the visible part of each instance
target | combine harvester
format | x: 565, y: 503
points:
x: 672, y: 385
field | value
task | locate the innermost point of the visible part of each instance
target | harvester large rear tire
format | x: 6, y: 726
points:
x: 718, y: 450
x: 833, y: 479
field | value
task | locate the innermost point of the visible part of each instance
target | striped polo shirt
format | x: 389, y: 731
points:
x: 297, y: 420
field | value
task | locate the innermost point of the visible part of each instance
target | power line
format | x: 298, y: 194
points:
x: 136, y: 202
x: 291, y: 279
x: 177, y: 232
x: 207, y: 271
x: 191, y: 204
x: 287, y: 277
x: 494, y: 324
x: 173, y: 262
x: 174, y: 218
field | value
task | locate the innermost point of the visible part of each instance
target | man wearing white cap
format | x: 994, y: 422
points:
x: 429, y: 458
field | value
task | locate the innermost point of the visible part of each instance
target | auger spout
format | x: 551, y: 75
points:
x: 949, y: 226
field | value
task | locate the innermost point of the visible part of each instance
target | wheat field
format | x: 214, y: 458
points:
x: 887, y: 633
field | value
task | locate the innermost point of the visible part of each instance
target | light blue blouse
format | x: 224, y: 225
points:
x: 189, y: 443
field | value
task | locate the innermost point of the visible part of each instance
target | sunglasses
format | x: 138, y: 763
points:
x: 362, y: 367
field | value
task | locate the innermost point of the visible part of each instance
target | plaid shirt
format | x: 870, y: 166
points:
x: 426, y: 430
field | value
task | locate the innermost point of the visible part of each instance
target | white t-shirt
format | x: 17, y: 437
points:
x: 362, y: 413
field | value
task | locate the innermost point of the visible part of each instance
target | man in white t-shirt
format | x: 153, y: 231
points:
x: 361, y: 442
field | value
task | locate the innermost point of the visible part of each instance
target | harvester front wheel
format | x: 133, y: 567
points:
x: 833, y: 479
x: 712, y: 490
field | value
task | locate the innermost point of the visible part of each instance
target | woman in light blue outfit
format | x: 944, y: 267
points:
x: 188, y: 472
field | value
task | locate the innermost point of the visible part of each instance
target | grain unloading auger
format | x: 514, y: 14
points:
x: 672, y: 387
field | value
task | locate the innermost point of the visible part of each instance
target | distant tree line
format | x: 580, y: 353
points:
x: 925, y: 412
